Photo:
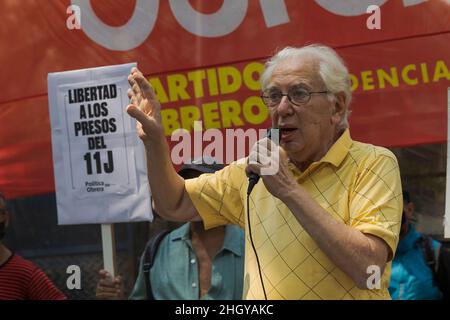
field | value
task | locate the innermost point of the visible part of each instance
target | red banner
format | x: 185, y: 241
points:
x: 205, y: 57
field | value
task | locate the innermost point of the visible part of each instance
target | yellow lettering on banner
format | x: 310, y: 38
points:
x: 159, y: 90
x: 177, y: 84
x: 424, y: 71
x: 229, y: 79
x: 230, y: 110
x: 367, y: 80
x: 198, y: 126
x: 211, y: 115
x: 406, y: 78
x: 262, y: 113
x: 354, y: 81
x: 188, y: 115
x: 384, y: 76
x: 169, y: 120
x: 197, y: 77
x: 249, y: 70
x: 440, y: 71
x: 212, y: 82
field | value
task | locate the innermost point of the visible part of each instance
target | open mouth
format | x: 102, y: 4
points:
x: 287, y: 130
x: 287, y: 133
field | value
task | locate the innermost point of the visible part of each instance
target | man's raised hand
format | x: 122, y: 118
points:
x: 144, y: 107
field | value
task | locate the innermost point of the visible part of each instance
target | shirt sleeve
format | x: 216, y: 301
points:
x: 41, y: 288
x: 217, y: 197
x: 139, y: 289
x: 376, y: 201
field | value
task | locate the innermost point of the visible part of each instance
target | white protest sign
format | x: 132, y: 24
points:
x: 99, y: 162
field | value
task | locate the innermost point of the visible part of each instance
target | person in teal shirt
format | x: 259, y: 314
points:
x: 177, y: 271
x: 411, y: 277
x: 190, y: 263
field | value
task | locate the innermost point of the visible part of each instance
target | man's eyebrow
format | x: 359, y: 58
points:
x: 272, y: 88
x: 300, y: 85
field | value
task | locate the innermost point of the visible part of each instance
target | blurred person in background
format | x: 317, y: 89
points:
x: 414, y: 266
x: 187, y: 263
x: 20, y: 279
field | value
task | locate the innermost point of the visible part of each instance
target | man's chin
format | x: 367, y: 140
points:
x: 293, y: 150
x: 291, y: 146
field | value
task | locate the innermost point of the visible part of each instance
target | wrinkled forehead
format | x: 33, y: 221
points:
x: 303, y: 69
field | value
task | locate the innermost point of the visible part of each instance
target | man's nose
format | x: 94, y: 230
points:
x: 284, y: 108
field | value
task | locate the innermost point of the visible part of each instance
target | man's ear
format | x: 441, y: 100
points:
x: 339, y: 108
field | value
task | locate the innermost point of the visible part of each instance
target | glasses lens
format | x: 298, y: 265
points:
x: 298, y: 95
x: 272, y: 97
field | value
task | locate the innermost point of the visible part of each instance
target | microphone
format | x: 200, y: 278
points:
x: 254, y: 177
x: 252, y: 181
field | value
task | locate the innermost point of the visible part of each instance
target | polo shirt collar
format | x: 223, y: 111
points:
x: 335, y: 155
x: 232, y: 239
x: 181, y: 232
x: 339, y: 149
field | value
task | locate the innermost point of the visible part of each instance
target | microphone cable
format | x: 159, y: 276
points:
x: 252, y: 181
x: 251, y: 241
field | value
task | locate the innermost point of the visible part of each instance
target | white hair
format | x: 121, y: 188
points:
x: 332, y: 71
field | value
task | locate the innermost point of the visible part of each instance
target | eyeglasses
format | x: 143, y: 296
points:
x: 296, y: 95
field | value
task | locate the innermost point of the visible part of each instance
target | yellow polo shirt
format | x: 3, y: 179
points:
x: 356, y: 183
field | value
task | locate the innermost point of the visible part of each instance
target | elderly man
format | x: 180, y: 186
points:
x: 326, y: 225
